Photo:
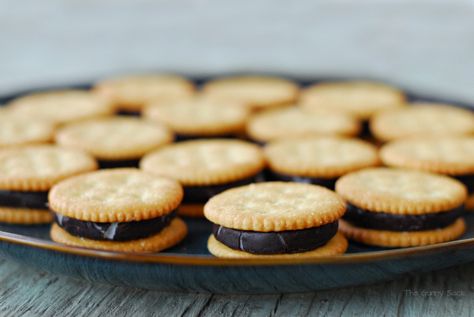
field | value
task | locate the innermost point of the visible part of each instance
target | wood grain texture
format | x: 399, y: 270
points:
x: 28, y: 292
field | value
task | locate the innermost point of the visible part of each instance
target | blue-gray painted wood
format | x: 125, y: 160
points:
x: 28, y: 292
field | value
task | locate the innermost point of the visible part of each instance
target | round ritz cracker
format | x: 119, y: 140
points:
x: 393, y: 207
x: 422, y: 119
x: 132, y: 93
x: 361, y: 99
x: 293, y: 122
x: 61, y: 106
x: 450, y: 155
x: 317, y: 160
x: 257, y: 92
x: 205, y: 167
x: 17, y: 130
x: 115, y: 141
x: 28, y: 172
x: 275, y: 219
x: 199, y: 117
x: 118, y: 210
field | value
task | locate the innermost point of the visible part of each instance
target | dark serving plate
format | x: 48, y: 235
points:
x: 189, y: 266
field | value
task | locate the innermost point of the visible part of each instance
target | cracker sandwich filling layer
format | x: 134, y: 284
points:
x: 28, y: 200
x: 282, y: 242
x: 393, y: 222
x: 468, y: 181
x: 201, y: 194
x: 114, y: 231
x: 106, y: 164
x: 326, y: 182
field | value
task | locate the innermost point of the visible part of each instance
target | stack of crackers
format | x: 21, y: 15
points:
x: 280, y: 170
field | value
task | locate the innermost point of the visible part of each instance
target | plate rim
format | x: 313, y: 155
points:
x: 208, y: 260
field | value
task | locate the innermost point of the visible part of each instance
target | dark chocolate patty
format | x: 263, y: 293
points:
x: 326, y: 182
x: 201, y: 194
x: 113, y: 231
x: 117, y: 164
x: 129, y: 113
x: 189, y: 137
x: 467, y: 180
x: 385, y: 221
x: 282, y: 242
x: 31, y: 200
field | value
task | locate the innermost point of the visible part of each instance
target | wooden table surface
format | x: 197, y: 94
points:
x: 56, y: 41
x: 27, y: 292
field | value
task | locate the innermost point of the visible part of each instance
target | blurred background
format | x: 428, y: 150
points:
x: 425, y: 45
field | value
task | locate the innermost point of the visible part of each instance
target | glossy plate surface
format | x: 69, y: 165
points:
x: 189, y: 267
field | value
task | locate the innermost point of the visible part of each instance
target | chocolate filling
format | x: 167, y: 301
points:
x: 30, y: 200
x: 365, y: 129
x: 201, y: 194
x: 282, y: 242
x: 117, y: 164
x: 130, y: 113
x: 113, y: 231
x: 326, y: 182
x: 188, y: 137
x: 261, y: 143
x: 392, y: 222
x: 467, y: 180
